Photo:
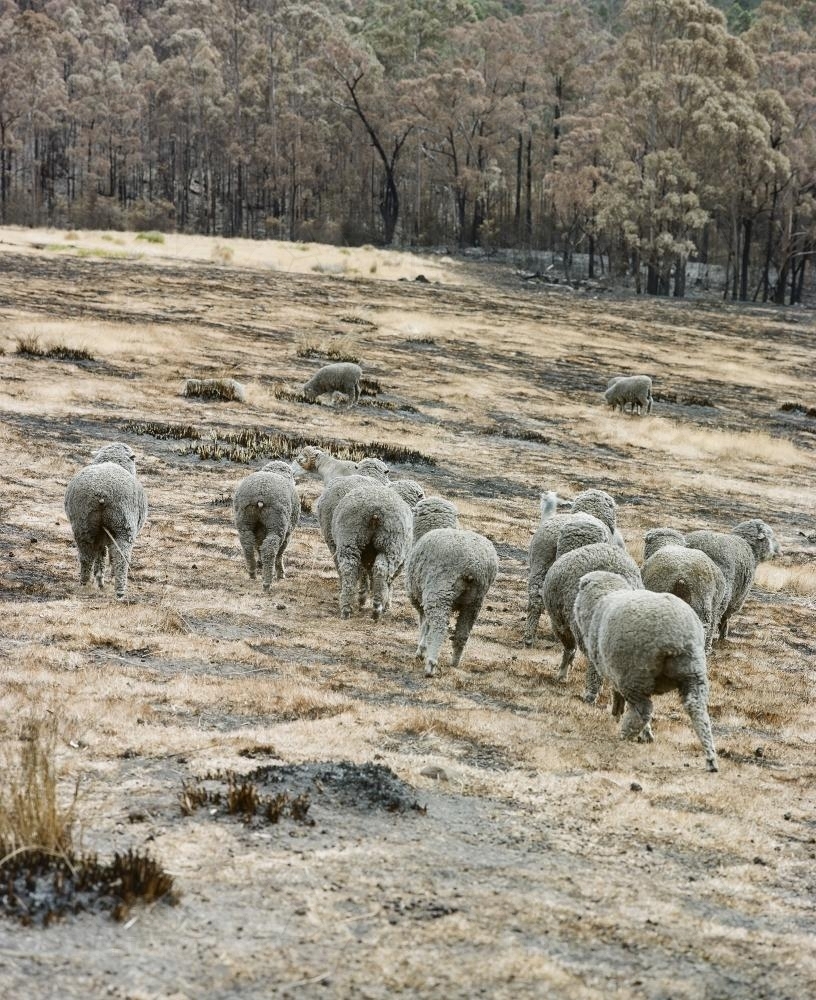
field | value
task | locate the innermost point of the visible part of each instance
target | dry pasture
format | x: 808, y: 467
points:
x: 552, y: 859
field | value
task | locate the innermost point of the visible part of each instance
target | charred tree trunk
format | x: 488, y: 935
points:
x: 747, y: 234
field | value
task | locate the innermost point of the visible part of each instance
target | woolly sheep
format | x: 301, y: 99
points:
x: 737, y: 554
x: 107, y: 508
x: 410, y: 491
x: 594, y: 504
x: 633, y: 389
x: 371, y: 529
x: 267, y: 510
x: 643, y: 643
x: 311, y: 459
x: 690, y: 575
x: 449, y: 570
x: 561, y: 586
x: 343, y: 376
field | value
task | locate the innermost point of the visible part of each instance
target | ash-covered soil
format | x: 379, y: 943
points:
x: 482, y: 833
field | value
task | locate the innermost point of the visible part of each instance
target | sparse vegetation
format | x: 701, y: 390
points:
x: 29, y: 346
x: 231, y: 794
x: 151, y: 236
x: 338, y: 349
x: 801, y: 408
x: 222, y: 254
x: 226, y: 389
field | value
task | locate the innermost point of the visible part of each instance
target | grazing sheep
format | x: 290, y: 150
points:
x: 690, y: 575
x: 107, y: 508
x: 371, y: 530
x: 633, y: 389
x: 215, y: 388
x: 738, y: 554
x: 656, y: 538
x: 267, y: 511
x: 590, y: 504
x: 561, y: 586
x: 342, y: 376
x: 449, y: 571
x: 311, y: 459
x: 643, y: 643
x: 410, y: 491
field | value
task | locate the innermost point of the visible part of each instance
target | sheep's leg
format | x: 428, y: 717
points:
x: 380, y: 598
x: 280, y: 571
x: 568, y: 642
x: 120, y: 550
x: 593, y: 683
x: 436, y: 631
x: 695, y: 702
x: 348, y: 566
x: 365, y: 586
x: 270, y: 550
x: 464, y: 624
x: 636, y: 718
x: 422, y: 642
x: 99, y: 565
x: 534, y: 609
x: 247, y: 539
x: 86, y: 563
x: 724, y: 627
x: 618, y: 704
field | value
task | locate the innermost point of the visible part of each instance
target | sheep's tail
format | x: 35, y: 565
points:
x: 375, y: 520
x: 260, y: 504
x: 549, y: 504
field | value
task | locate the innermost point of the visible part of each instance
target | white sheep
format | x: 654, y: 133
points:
x: 592, y: 508
x: 107, y: 508
x: 689, y: 574
x: 267, y: 510
x: 449, y: 571
x: 321, y: 463
x: 643, y: 643
x: 371, y: 531
x: 342, y: 376
x: 738, y: 554
x: 633, y: 389
x: 561, y: 587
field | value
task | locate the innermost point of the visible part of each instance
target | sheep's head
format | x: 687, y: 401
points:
x: 599, y: 504
x: 307, y: 460
x: 373, y: 468
x: 410, y: 491
x: 121, y: 454
x: 658, y: 538
x: 435, y: 512
x: 597, y: 584
x: 760, y: 537
x: 581, y: 529
x: 279, y: 468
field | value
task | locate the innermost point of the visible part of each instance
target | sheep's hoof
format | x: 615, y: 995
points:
x: 589, y: 697
x: 376, y: 612
x: 120, y: 597
x: 430, y: 669
x: 345, y: 613
x: 711, y: 764
x: 528, y: 640
x: 646, y: 737
x: 266, y: 587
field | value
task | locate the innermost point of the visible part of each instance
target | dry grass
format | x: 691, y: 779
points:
x: 527, y: 872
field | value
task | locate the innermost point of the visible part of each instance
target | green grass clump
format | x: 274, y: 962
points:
x: 151, y: 236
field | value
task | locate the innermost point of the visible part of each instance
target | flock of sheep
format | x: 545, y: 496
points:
x: 646, y: 629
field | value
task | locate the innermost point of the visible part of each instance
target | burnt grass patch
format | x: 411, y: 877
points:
x: 30, y: 347
x: 274, y: 791
x: 249, y: 444
x: 519, y: 434
x: 38, y: 887
x: 798, y: 408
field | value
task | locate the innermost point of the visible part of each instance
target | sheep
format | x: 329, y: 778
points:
x: 690, y: 575
x: 591, y: 504
x: 371, y: 530
x: 643, y: 643
x: 374, y: 468
x: 410, y: 491
x: 267, y: 510
x: 633, y: 389
x: 561, y: 586
x: 449, y: 570
x: 656, y: 538
x: 737, y: 554
x: 311, y: 459
x: 107, y: 508
x: 343, y: 376
x: 331, y: 496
